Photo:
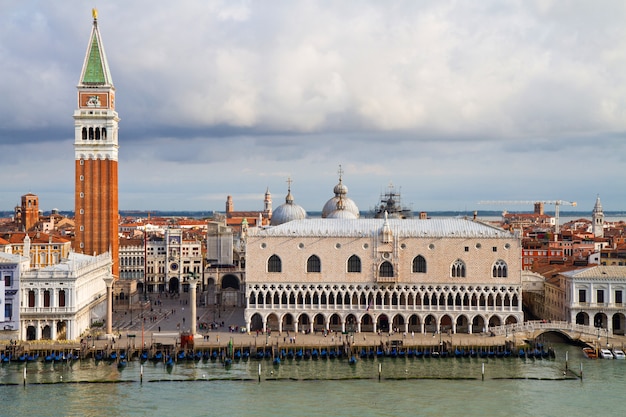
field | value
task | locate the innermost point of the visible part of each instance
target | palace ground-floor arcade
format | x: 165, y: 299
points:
x: 379, y: 321
x: 605, y: 321
x: 46, y: 329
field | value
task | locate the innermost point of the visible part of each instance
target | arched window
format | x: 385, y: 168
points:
x: 385, y: 270
x: 354, y: 264
x: 500, y: 269
x: 419, y: 264
x: 274, y: 264
x: 61, y: 298
x: 313, y: 264
x: 84, y: 133
x: 458, y: 269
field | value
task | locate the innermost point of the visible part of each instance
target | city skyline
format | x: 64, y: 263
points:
x: 454, y: 103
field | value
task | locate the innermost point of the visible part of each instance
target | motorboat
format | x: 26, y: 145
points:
x: 606, y: 354
x: 590, y: 353
x: 619, y: 354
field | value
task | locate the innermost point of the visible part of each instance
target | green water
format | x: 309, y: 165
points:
x: 407, y: 386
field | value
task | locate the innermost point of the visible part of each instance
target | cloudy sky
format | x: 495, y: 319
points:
x: 454, y: 102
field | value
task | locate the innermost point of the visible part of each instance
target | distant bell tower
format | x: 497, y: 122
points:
x: 29, y: 211
x: 95, y: 154
x: 597, y: 219
x: 267, y: 203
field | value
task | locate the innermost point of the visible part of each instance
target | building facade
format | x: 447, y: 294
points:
x: 96, y: 155
x: 41, y: 248
x: 60, y: 302
x: 11, y: 268
x: 595, y: 297
x: 369, y: 275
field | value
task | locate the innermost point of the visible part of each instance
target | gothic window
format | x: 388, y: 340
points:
x: 354, y: 264
x: 458, y: 269
x: 500, y: 269
x: 313, y: 264
x: 419, y: 264
x: 274, y: 264
x: 385, y: 270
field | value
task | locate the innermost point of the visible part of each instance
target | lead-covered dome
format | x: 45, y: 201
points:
x: 288, y: 211
x: 340, y: 197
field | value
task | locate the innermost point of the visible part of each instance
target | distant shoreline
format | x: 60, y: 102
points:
x: 608, y: 215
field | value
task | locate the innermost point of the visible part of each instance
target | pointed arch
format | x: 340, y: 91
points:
x: 354, y: 264
x: 386, y: 270
x: 499, y: 269
x: 274, y: 264
x: 419, y: 264
x: 313, y: 264
x: 458, y: 269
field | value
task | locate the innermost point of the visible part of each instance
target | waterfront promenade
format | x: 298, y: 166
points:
x: 163, y: 321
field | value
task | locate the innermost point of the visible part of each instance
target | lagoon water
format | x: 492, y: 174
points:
x: 407, y: 386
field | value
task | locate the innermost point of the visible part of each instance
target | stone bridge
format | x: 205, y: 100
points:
x: 572, y: 331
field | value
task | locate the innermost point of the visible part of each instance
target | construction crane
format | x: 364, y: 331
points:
x: 555, y: 203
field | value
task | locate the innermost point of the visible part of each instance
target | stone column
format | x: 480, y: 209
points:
x: 192, y: 300
x: 109, y: 283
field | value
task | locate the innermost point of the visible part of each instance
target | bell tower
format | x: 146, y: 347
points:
x: 597, y: 219
x: 96, y: 155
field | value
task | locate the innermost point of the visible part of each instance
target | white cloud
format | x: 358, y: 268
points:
x: 446, y: 99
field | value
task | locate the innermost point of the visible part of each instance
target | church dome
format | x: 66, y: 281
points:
x: 341, y: 192
x: 342, y: 214
x: 288, y: 211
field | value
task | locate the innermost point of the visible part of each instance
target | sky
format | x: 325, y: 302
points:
x: 452, y: 102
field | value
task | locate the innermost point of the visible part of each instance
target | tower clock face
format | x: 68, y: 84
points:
x: 174, y: 266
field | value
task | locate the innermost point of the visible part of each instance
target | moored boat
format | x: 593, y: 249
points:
x: 606, y: 354
x: 619, y: 354
x: 590, y: 353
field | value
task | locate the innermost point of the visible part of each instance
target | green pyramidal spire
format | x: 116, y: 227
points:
x: 94, y: 73
x: 95, y: 68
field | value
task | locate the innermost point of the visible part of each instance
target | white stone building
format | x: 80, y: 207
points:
x: 11, y: 268
x: 411, y: 275
x: 595, y: 296
x: 61, y: 301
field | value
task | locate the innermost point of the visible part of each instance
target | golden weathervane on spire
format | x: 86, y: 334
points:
x: 94, y: 13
